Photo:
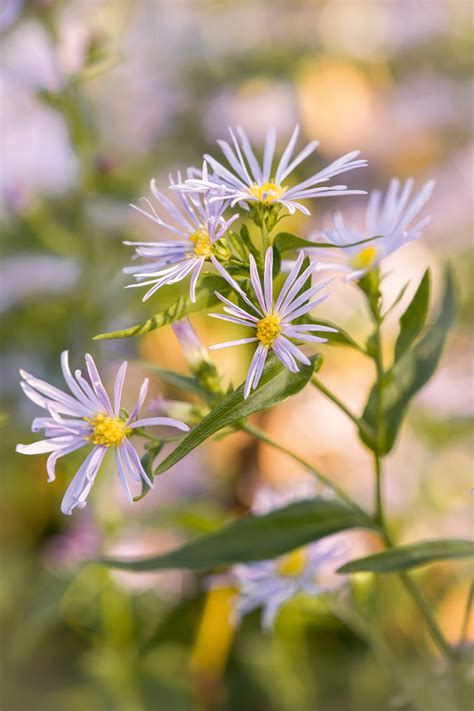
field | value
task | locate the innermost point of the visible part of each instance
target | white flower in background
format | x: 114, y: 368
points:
x: 198, y: 224
x: 273, y: 321
x: 269, y: 584
x: 390, y: 219
x: 247, y: 181
x: 85, y: 416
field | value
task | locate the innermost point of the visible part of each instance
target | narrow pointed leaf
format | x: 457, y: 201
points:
x: 340, y: 337
x: 276, y: 385
x: 254, y: 538
x: 205, y: 298
x: 413, y: 319
x: 408, y: 375
x: 411, y: 556
x: 287, y: 242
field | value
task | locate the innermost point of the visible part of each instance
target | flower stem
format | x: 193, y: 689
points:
x: 331, y: 396
x: 467, y: 614
x: 263, y: 437
x: 422, y: 602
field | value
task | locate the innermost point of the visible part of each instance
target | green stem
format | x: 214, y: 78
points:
x: 467, y: 613
x: 265, y: 239
x: 331, y: 396
x: 263, y: 437
x: 423, y: 604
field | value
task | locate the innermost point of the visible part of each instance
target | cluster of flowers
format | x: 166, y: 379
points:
x: 198, y: 214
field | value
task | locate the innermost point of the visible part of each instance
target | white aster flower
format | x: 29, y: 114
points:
x: 247, y: 181
x: 269, y: 584
x: 273, y: 320
x: 83, y: 417
x: 198, y: 223
x: 389, y: 219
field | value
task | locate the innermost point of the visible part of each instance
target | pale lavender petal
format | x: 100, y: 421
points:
x: 135, y: 461
x: 239, y: 342
x: 268, y: 280
x: 140, y: 401
x: 260, y: 353
x: 283, y: 354
x: 269, y: 152
x: 118, y: 387
x: 295, y: 351
x: 98, y: 385
x: 160, y: 421
x: 194, y: 278
x: 233, y: 319
x: 235, y: 310
x: 54, y: 456
x: 290, y: 279
x: 286, y: 157
x: 79, y: 488
x: 256, y: 284
x: 122, y: 465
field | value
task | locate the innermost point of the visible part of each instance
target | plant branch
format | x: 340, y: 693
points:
x: 263, y: 437
x: 331, y: 396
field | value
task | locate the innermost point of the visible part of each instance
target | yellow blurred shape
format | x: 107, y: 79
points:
x: 292, y: 564
x: 365, y: 258
x: 337, y: 103
x: 215, y: 633
x: 451, y: 614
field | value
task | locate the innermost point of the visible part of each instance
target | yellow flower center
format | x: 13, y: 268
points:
x: 292, y: 564
x: 365, y: 258
x: 108, y: 431
x: 268, y: 329
x: 268, y: 192
x: 202, y: 243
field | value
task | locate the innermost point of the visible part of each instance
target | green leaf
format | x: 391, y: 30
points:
x: 276, y: 385
x: 254, y: 538
x: 413, y: 319
x: 411, y: 556
x: 407, y: 376
x: 339, y: 337
x: 205, y: 298
x: 287, y: 242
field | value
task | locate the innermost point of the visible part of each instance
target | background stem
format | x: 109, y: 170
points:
x: 263, y: 437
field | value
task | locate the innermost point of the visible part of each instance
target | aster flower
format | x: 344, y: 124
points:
x: 198, y: 224
x: 389, y: 220
x: 269, y: 584
x: 249, y: 182
x: 273, y: 320
x: 85, y: 416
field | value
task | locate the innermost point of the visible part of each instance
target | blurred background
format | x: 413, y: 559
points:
x: 97, y: 97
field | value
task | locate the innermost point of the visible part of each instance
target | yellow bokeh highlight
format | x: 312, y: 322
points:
x: 215, y: 633
x: 292, y: 564
x: 337, y: 103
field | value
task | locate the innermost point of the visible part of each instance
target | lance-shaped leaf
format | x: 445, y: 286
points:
x: 408, y: 375
x: 276, y: 385
x: 413, y: 319
x: 205, y: 298
x: 411, y: 556
x: 287, y: 242
x: 339, y: 337
x: 254, y: 538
